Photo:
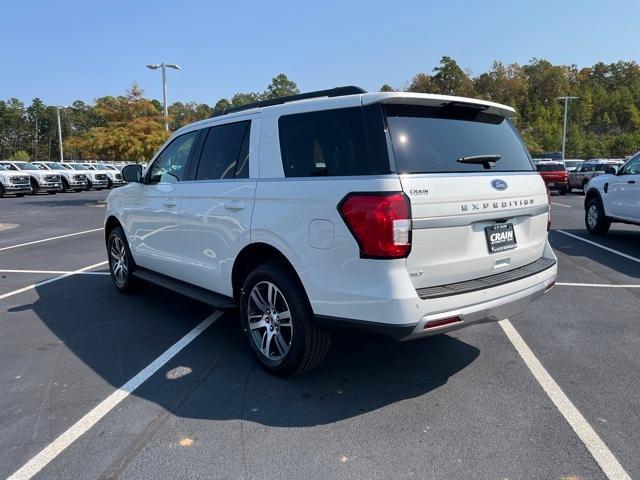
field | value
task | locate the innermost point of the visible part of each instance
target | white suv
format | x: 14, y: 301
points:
x: 613, y: 197
x: 398, y: 213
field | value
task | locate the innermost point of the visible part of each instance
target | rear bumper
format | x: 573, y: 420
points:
x: 403, y: 315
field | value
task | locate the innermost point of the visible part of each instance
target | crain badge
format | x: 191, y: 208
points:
x: 419, y: 191
x: 499, y: 184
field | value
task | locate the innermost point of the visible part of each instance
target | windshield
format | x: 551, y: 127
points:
x: 75, y: 166
x: 572, y: 163
x: 2, y: 167
x: 27, y: 166
x: 55, y: 166
x: 445, y: 139
x: 550, y: 167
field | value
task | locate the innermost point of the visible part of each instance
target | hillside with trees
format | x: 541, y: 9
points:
x: 603, y: 122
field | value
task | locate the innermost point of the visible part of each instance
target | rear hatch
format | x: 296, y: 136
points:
x: 478, y: 206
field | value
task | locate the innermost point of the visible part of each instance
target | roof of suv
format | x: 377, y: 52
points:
x: 327, y: 101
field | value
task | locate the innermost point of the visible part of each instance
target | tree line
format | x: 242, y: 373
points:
x: 603, y: 122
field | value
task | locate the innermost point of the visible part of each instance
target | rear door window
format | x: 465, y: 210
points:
x: 333, y: 143
x: 225, y: 153
x: 436, y: 139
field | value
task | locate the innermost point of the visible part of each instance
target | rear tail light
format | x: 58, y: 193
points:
x: 380, y: 223
x: 549, y: 206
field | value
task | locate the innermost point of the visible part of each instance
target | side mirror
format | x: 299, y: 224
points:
x: 132, y: 173
x: 611, y: 170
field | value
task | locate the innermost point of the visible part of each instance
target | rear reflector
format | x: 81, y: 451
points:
x: 441, y: 322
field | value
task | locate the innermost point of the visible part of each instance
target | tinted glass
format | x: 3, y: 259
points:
x: 433, y: 139
x: 550, y: 167
x: 2, y: 167
x: 632, y: 167
x: 223, y: 150
x: 329, y: 143
x: 27, y: 166
x: 170, y: 166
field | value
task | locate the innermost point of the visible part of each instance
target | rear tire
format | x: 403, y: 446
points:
x: 121, y: 264
x: 563, y: 190
x: 278, y: 322
x: 596, y: 221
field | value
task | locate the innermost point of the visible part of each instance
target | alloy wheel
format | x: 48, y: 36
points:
x: 269, y: 321
x: 592, y: 216
x: 118, y: 257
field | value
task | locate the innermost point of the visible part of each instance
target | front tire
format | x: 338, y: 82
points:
x: 596, y: 221
x: 34, y: 187
x: 278, y: 322
x: 121, y: 264
x: 65, y: 186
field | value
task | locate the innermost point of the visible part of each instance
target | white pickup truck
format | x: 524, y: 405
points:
x: 613, y: 197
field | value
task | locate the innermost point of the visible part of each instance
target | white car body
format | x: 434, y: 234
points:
x: 14, y: 183
x: 74, y: 180
x: 97, y: 180
x: 42, y: 180
x: 113, y: 173
x: 619, y: 194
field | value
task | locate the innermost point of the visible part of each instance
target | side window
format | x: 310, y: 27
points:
x: 632, y: 167
x: 327, y: 143
x: 225, y: 153
x: 170, y: 165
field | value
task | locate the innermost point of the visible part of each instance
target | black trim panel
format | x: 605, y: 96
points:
x: 394, y: 331
x: 490, y: 281
x: 216, y: 300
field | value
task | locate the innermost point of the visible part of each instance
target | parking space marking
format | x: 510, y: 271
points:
x: 561, y: 205
x: 605, y: 285
x: 53, y: 272
x: 595, y: 244
x: 50, y: 280
x: 55, y: 448
x: 49, y: 239
x: 596, y: 447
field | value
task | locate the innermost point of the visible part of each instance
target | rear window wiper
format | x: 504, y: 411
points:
x: 484, y: 160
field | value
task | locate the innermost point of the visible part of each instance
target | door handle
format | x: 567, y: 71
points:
x: 234, y: 205
x: 170, y: 203
x: 631, y: 181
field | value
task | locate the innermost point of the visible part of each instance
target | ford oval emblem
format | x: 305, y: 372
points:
x: 499, y: 184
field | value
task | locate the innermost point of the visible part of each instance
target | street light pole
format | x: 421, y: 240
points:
x: 59, y: 134
x: 564, y: 125
x: 164, y: 66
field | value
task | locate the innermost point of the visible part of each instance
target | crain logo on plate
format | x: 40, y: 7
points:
x: 499, y: 184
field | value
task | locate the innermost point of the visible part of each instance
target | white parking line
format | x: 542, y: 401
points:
x: 617, y: 252
x: 53, y: 272
x: 50, y: 280
x: 51, y: 451
x: 606, y: 285
x: 49, y: 239
x: 561, y: 205
x: 596, y: 447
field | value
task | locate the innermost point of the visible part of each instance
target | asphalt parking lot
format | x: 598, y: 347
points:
x: 463, y: 405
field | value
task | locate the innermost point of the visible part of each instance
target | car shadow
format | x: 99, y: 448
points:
x: 624, y: 241
x: 69, y: 202
x: 215, y: 377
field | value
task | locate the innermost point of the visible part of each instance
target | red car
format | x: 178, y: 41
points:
x: 554, y: 175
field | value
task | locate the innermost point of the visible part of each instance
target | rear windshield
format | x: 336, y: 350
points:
x: 550, y: 167
x: 434, y: 139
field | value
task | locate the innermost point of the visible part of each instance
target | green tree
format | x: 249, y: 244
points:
x: 21, y: 155
x: 280, y: 86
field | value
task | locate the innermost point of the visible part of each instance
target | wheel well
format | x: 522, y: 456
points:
x: 591, y: 194
x: 112, y: 222
x: 64, y: 180
x: 249, y: 258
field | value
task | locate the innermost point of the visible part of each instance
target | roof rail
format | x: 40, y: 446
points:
x: 332, y: 92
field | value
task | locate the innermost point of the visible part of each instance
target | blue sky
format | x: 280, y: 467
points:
x: 66, y: 50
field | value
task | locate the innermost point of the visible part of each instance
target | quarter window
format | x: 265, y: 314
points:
x: 330, y: 143
x: 226, y: 152
x: 170, y: 166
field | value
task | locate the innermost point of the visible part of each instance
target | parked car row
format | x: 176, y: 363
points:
x: 20, y: 178
x: 564, y: 176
